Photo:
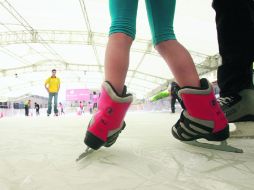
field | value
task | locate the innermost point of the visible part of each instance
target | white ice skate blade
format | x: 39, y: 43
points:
x: 222, y: 147
x: 85, y: 154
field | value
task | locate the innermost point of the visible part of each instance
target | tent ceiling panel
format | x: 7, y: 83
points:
x: 46, y: 14
x: 7, y: 21
x: 155, y: 65
x: 9, y: 81
x: 135, y: 59
x: 206, y: 39
x: 79, y: 54
x: 33, y: 52
x: 143, y: 30
x: 9, y: 59
x: 100, y: 54
x: 143, y: 83
x: 98, y: 22
x: 10, y: 26
x: 139, y: 87
x: 20, y: 49
x: 195, y: 27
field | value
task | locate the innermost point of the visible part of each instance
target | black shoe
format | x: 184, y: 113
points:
x: 238, y: 107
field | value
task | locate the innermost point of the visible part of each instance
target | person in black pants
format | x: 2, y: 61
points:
x: 37, y: 108
x: 235, y: 31
x: 173, y: 92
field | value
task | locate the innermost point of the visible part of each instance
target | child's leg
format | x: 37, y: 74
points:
x: 117, y: 60
x: 180, y: 62
x: 122, y: 32
x: 114, y: 102
x: 161, y: 18
x: 107, y: 122
x: 202, y: 117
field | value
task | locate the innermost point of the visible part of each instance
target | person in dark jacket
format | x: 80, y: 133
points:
x: 173, y: 92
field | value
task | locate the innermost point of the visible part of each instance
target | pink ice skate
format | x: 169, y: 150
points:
x: 202, y: 117
x: 107, y: 122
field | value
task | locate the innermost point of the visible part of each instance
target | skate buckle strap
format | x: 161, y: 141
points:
x: 189, y: 128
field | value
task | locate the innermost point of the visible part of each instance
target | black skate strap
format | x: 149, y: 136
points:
x: 188, y: 128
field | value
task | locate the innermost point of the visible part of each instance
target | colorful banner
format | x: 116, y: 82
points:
x: 78, y: 94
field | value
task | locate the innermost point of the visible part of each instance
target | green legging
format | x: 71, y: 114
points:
x: 160, y: 15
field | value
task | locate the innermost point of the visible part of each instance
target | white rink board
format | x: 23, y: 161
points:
x: 39, y: 153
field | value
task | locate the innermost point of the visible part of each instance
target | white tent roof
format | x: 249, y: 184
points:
x: 36, y: 36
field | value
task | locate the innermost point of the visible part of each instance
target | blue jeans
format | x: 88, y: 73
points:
x: 51, y: 95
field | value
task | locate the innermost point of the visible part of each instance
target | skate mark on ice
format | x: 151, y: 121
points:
x: 180, y: 167
x: 223, y: 161
x: 232, y: 164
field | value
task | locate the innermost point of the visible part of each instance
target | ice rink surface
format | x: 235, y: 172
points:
x: 39, y: 153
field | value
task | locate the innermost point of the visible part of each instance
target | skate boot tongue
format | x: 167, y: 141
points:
x: 124, y: 93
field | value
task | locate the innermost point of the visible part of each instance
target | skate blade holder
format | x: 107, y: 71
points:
x: 223, y: 146
x: 85, y: 154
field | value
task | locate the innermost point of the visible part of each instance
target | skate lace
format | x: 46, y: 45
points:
x: 225, y: 100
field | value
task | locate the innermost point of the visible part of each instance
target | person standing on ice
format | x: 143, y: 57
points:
x: 61, y: 108
x: 52, y: 85
x: 202, y: 117
x: 27, y: 106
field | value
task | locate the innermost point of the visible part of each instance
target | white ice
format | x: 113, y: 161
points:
x: 39, y: 153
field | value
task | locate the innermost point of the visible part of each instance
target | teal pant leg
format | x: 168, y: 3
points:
x: 161, y: 19
x: 123, y: 16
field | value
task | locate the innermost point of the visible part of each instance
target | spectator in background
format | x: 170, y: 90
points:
x: 52, y: 85
x: 27, y: 105
x: 95, y: 100
x: 61, y: 108
x: 81, y: 106
x: 90, y: 107
x: 37, y: 108
x: 173, y: 93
